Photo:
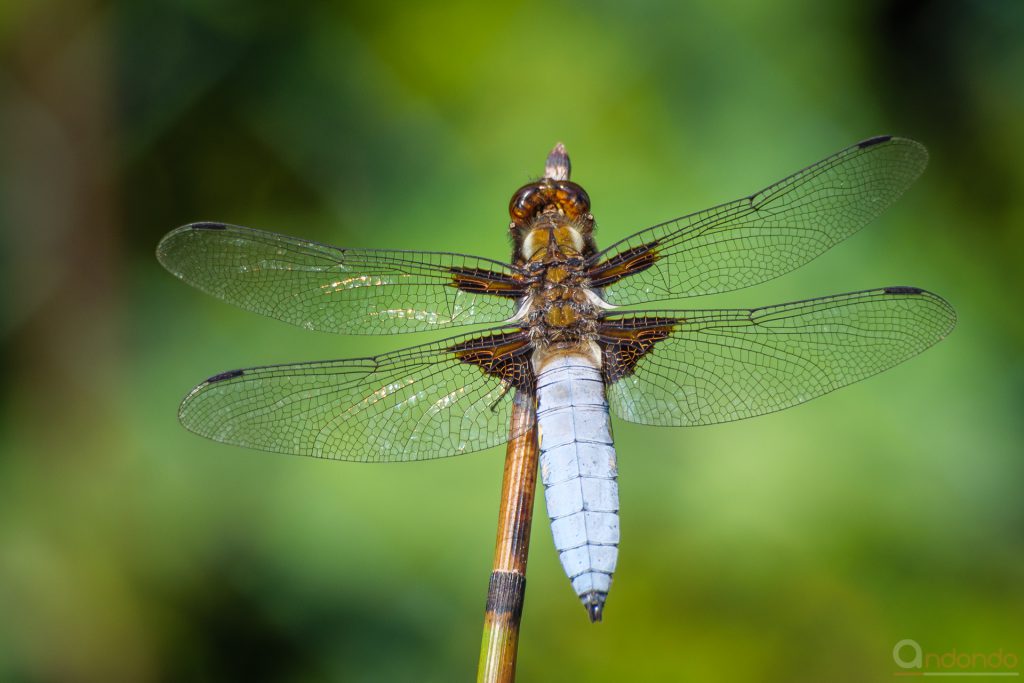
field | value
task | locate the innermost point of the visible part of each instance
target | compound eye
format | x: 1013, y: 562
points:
x: 571, y: 194
x: 525, y: 202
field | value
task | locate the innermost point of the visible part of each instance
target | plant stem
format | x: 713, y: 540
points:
x: 507, y: 587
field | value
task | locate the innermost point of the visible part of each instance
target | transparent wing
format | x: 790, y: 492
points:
x: 716, y: 366
x: 351, y: 291
x: 764, y: 235
x: 415, y: 404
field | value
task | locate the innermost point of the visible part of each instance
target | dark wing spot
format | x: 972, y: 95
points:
x: 871, y: 142
x: 208, y: 226
x: 482, y: 281
x: 625, y: 341
x: 505, y: 356
x: 230, y: 374
x: 903, y: 290
x: 629, y: 262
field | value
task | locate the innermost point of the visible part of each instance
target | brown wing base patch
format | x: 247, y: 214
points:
x: 481, y: 281
x: 625, y: 341
x: 506, y: 356
x: 629, y: 262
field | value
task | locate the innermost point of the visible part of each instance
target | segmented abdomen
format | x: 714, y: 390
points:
x: 577, y: 461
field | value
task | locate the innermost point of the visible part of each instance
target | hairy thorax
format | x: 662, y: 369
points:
x: 560, y: 310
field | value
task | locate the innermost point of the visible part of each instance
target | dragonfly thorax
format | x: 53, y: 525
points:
x: 552, y: 248
x: 561, y: 308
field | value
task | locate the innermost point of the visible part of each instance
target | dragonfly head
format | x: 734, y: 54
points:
x: 565, y: 196
x: 551, y: 219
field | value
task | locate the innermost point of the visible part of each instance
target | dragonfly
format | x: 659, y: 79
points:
x: 558, y: 334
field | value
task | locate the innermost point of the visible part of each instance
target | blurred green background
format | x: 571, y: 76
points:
x: 799, y: 546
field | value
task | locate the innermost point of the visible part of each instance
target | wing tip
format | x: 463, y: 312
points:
x: 903, y: 290
x: 935, y: 299
x: 221, y: 376
x: 198, y: 391
x: 169, y: 242
x: 912, y: 148
x: 871, y: 142
x: 203, y: 226
x: 197, y: 226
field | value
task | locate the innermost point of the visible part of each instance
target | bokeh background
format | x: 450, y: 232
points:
x: 799, y: 546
